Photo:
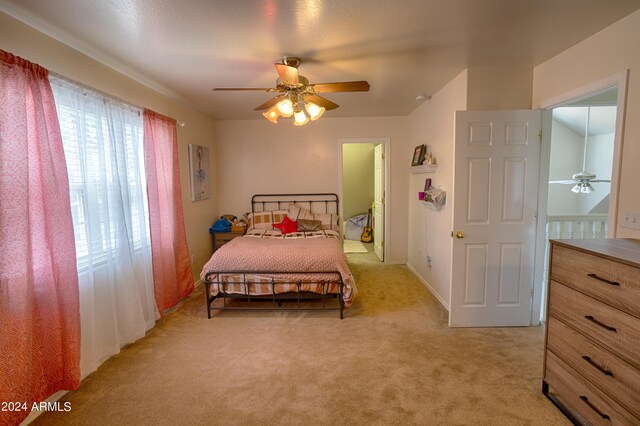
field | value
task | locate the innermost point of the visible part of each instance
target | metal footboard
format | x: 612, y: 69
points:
x: 217, y: 288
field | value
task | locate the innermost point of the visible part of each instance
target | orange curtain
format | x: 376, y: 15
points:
x: 39, y: 305
x: 172, y: 276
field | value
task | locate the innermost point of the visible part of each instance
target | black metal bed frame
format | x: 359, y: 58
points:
x: 276, y: 299
x: 266, y: 202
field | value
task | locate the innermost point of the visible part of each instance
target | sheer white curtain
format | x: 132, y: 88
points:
x: 103, y: 144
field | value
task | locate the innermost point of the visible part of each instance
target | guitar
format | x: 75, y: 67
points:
x: 367, y: 232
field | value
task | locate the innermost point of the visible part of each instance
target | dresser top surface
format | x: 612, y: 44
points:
x: 625, y: 250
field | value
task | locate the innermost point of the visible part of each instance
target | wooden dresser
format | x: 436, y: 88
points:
x: 592, y: 346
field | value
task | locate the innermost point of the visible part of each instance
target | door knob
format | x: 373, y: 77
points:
x: 458, y: 234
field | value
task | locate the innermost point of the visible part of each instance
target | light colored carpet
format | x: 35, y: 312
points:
x: 352, y: 246
x: 391, y: 361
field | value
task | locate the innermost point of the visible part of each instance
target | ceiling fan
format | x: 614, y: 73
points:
x: 582, y: 181
x: 297, y: 96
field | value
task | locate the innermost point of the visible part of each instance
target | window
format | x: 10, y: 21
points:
x: 103, y: 147
x: 103, y: 144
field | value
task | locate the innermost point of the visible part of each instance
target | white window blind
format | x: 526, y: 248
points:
x: 100, y: 160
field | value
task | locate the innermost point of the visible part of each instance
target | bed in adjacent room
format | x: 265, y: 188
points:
x: 290, y: 258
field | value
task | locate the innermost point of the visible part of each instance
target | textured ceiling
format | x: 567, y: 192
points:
x: 403, y: 48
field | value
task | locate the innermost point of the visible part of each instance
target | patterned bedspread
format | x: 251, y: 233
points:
x: 270, y: 252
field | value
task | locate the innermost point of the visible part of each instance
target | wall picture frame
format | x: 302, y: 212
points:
x: 199, y: 172
x: 418, y: 155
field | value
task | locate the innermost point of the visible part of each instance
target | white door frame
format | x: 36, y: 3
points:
x: 387, y: 193
x: 619, y: 80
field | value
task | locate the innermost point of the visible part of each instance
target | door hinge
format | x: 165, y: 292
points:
x: 531, y: 294
x: 383, y: 155
x: 382, y: 244
x: 540, y: 136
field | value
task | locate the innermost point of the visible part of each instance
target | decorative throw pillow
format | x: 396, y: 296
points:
x: 329, y: 221
x: 265, y: 220
x: 287, y: 225
x: 297, y: 212
x: 306, y: 225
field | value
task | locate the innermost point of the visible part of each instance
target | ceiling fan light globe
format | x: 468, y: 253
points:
x: 314, y: 110
x: 576, y: 189
x: 587, y: 188
x: 300, y: 118
x: 272, y: 114
x: 285, y: 107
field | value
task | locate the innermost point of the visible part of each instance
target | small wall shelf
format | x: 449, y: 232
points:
x: 427, y: 168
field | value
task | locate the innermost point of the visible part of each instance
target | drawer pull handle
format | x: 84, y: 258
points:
x: 594, y: 408
x: 602, y: 370
x: 603, y: 325
x: 604, y: 280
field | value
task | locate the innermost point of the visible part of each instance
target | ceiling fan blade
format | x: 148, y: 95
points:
x: 320, y: 101
x: 600, y: 180
x: 344, y: 86
x: 260, y: 89
x: 566, y: 182
x: 288, y: 75
x: 271, y: 102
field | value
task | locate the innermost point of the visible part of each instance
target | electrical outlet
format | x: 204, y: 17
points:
x: 631, y: 220
x: 429, y: 261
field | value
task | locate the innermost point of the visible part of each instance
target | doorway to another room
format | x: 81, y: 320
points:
x: 363, y: 187
x: 581, y: 166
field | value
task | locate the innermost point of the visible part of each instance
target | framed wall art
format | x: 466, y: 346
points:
x: 200, y: 172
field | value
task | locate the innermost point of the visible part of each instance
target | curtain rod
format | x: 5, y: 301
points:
x: 105, y: 94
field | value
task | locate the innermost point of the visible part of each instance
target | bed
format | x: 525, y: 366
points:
x: 291, y: 257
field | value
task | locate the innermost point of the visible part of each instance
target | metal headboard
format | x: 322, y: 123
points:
x: 315, y: 202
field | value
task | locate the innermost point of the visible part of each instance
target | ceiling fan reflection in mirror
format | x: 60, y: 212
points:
x: 582, y: 181
x: 298, y: 97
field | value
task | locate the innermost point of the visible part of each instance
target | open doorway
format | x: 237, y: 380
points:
x: 581, y: 166
x: 363, y: 189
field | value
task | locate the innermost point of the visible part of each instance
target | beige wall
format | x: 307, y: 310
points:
x: 357, y: 178
x: 24, y: 41
x: 600, y: 56
x: 429, y: 231
x: 256, y: 156
x: 499, y: 88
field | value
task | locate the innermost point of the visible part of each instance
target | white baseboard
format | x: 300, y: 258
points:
x: 34, y: 414
x: 428, y: 286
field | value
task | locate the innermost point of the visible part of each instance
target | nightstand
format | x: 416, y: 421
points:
x: 221, y: 238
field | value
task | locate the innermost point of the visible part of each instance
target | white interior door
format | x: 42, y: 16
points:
x: 378, y: 202
x: 494, y: 217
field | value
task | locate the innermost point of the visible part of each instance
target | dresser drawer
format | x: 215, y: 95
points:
x: 615, y: 283
x: 612, y: 375
x: 617, y: 330
x: 588, y: 402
